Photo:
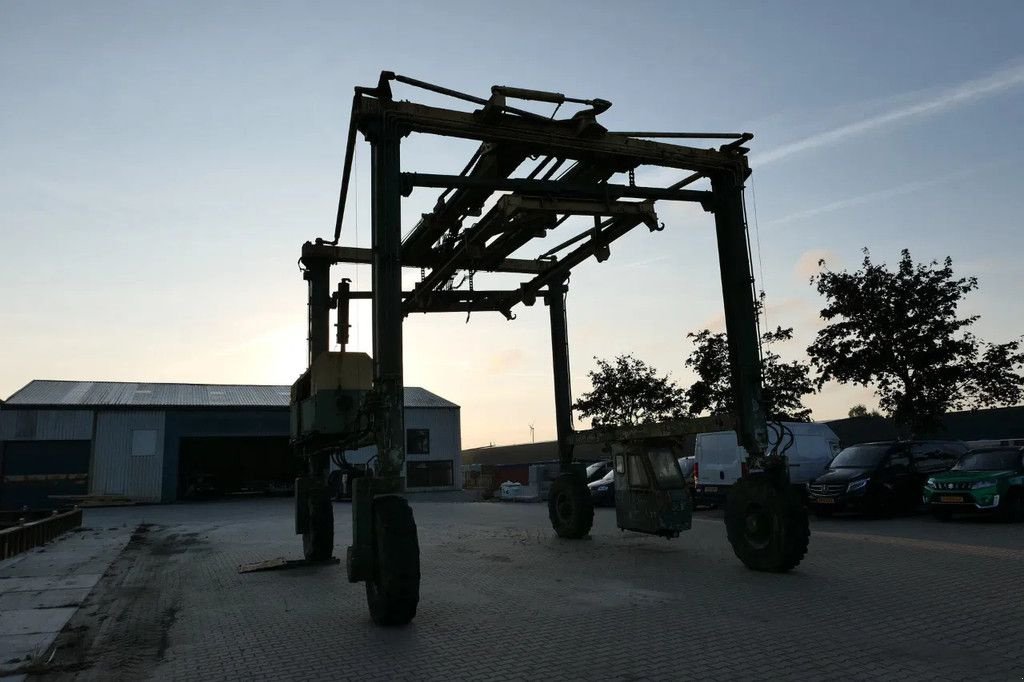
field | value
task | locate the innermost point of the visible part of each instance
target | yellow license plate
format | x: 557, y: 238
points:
x: 826, y: 500
x: 953, y: 499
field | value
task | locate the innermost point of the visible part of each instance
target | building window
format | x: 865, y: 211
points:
x: 143, y: 442
x: 417, y: 441
x: 429, y: 474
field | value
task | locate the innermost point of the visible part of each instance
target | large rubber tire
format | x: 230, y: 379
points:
x: 570, y: 507
x: 1011, y: 508
x: 393, y: 592
x: 766, y: 524
x: 318, y: 540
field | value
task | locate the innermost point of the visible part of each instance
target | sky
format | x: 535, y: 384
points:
x: 162, y: 163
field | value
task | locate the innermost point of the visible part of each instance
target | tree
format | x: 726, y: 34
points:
x: 627, y: 392
x: 862, y: 411
x: 783, y: 384
x: 898, y: 331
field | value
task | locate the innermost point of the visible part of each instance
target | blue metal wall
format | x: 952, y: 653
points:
x: 116, y: 468
x: 219, y: 422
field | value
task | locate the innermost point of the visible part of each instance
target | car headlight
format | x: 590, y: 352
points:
x: 984, y: 484
x: 930, y: 483
x: 856, y: 485
x: 602, y: 488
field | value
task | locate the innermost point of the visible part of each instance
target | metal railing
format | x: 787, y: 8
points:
x: 29, y: 534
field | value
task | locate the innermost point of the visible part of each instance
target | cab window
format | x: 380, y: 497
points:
x: 666, y: 469
x: 637, y: 472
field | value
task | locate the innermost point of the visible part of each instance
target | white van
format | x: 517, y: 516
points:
x: 720, y: 460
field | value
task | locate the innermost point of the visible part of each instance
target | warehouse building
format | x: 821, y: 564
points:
x: 157, y: 442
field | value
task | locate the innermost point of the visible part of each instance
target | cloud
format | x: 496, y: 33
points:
x: 807, y: 264
x: 505, y: 360
x: 642, y: 263
x: 968, y: 92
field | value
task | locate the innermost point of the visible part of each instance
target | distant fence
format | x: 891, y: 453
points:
x: 24, y: 533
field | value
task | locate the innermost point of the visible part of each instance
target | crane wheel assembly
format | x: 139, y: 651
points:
x: 570, y: 507
x: 393, y: 588
x: 766, y: 523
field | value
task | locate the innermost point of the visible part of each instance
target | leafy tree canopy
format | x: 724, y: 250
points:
x: 783, y: 384
x: 862, y: 411
x: 627, y: 392
x: 898, y: 331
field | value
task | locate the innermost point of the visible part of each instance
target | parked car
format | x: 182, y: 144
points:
x: 598, y: 470
x: 720, y: 460
x: 602, y: 491
x: 881, y: 478
x: 984, y: 480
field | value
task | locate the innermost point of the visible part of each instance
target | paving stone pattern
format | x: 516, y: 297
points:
x: 41, y: 589
x: 504, y: 599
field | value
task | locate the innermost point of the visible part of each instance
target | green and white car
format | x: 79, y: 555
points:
x: 983, y: 480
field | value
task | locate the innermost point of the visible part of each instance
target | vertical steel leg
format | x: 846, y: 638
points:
x: 318, y: 278
x: 387, y: 295
x: 560, y: 372
x: 385, y: 549
x: 312, y: 496
x: 740, y: 313
x: 570, y: 509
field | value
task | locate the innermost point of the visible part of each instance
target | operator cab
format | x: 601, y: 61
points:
x: 651, y: 494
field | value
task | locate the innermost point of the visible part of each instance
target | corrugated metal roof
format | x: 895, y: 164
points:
x: 42, y: 392
x: 421, y: 397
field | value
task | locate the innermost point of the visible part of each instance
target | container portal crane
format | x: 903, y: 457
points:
x: 543, y: 170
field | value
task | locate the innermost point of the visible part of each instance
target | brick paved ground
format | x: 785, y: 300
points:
x: 502, y: 598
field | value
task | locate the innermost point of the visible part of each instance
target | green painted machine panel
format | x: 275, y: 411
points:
x: 658, y: 512
x: 650, y: 492
x: 328, y: 411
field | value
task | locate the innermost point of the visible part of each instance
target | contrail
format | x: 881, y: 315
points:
x: 1006, y: 78
x: 888, y: 193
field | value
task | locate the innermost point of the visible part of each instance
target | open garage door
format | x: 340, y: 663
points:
x: 224, y: 465
x: 35, y: 471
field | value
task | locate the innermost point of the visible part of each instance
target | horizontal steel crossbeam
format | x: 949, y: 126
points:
x: 553, y: 188
x: 570, y: 138
x: 360, y: 256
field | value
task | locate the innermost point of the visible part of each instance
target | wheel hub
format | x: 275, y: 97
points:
x: 564, y: 506
x: 757, y: 526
